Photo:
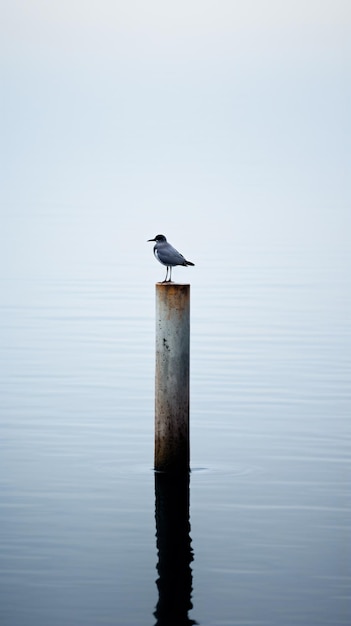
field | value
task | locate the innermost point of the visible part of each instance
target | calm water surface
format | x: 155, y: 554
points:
x: 266, y: 539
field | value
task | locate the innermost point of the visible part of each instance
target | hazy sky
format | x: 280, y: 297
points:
x: 190, y: 118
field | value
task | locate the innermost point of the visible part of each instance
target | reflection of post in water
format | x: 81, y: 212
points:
x: 174, y: 550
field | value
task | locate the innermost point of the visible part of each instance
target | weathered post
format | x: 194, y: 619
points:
x: 172, y: 377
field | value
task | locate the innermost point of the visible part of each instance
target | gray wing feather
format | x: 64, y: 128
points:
x: 170, y: 256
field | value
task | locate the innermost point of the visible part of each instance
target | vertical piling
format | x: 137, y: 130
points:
x: 172, y: 377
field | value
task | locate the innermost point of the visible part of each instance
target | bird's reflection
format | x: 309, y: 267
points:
x: 174, y: 550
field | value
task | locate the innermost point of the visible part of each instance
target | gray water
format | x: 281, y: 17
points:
x: 267, y: 534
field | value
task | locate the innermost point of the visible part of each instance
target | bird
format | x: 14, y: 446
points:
x: 167, y: 255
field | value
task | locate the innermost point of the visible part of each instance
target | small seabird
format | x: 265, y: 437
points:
x: 167, y: 255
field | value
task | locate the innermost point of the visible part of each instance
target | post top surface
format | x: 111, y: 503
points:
x: 172, y: 284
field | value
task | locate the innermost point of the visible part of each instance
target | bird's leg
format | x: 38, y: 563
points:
x: 165, y: 280
x: 170, y: 274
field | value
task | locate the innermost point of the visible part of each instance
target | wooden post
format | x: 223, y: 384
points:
x: 172, y: 377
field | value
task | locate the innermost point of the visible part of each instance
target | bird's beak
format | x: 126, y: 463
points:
x: 151, y: 239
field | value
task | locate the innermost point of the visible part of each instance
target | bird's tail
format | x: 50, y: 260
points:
x: 189, y: 263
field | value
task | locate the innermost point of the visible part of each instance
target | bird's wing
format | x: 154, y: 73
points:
x: 169, y: 255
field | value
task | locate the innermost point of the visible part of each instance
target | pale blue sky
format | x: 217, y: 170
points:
x: 191, y: 118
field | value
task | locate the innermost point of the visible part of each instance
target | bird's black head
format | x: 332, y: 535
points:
x: 158, y: 238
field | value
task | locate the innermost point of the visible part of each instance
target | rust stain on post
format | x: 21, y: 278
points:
x: 172, y: 377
